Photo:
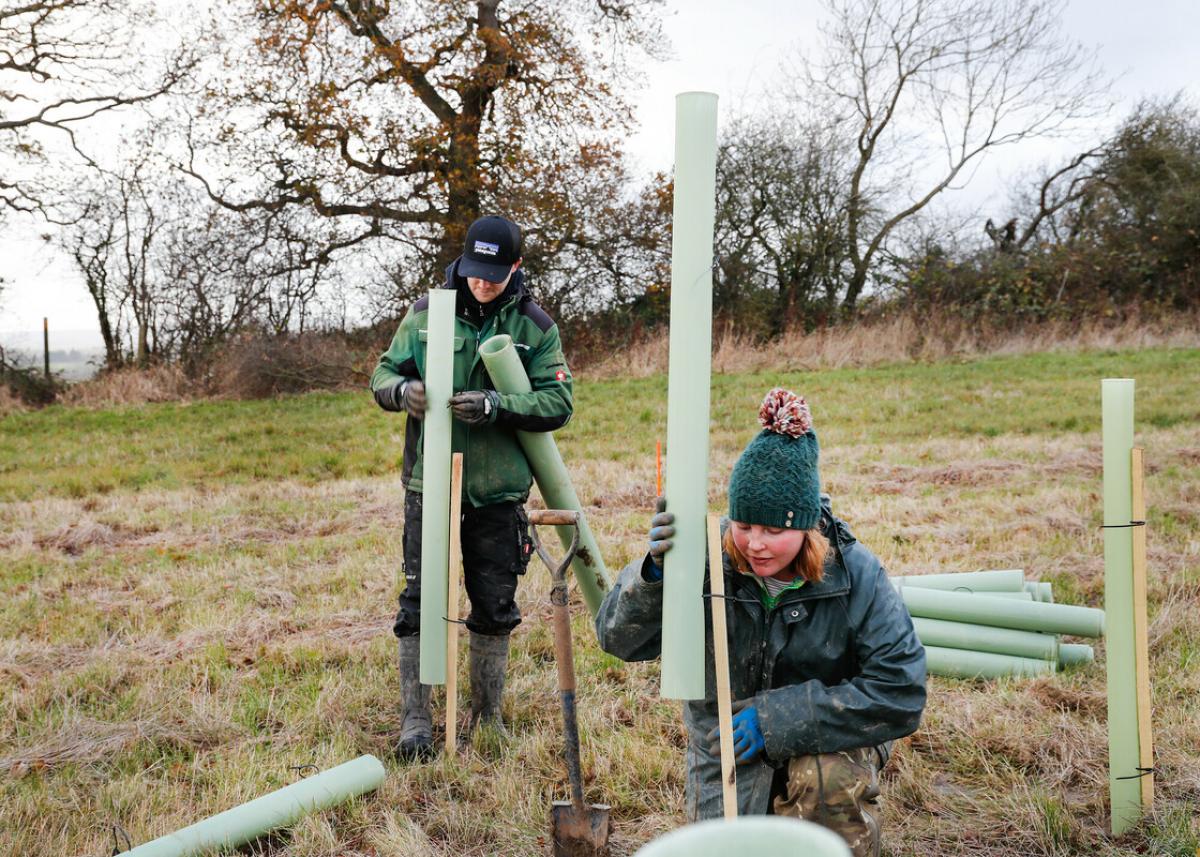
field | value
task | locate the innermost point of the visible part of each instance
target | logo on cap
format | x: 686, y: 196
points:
x: 487, y: 248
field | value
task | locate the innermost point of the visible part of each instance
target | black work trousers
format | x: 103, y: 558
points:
x: 495, y: 550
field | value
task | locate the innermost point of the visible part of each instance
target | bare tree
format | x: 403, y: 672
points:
x: 781, y: 225
x: 63, y: 63
x: 923, y: 89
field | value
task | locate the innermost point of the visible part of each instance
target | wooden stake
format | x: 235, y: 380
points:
x: 453, y: 572
x: 721, y: 665
x: 1141, y: 639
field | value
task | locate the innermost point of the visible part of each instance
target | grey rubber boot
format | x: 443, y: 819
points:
x: 489, y: 659
x: 416, y: 728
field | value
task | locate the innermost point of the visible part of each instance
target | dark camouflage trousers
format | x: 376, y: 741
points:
x: 839, y: 791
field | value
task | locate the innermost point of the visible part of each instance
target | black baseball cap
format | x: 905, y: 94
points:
x: 493, y: 245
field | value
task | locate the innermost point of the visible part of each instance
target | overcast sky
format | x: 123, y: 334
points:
x: 735, y: 51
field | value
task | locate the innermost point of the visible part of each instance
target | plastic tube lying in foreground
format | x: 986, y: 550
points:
x: 507, y: 372
x: 280, y: 808
x: 961, y: 663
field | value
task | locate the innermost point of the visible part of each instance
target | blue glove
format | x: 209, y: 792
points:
x: 661, y: 531
x: 748, y: 740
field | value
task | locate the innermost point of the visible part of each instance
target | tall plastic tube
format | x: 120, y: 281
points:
x: 435, y: 481
x: 1007, y: 580
x: 690, y: 366
x: 982, y: 638
x: 748, y: 836
x: 1123, y: 745
x: 1004, y: 612
x: 960, y: 663
x: 278, y: 809
x: 508, y: 374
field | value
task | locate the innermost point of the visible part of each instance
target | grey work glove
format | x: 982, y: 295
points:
x: 475, y: 407
x: 661, y: 531
x: 403, y: 396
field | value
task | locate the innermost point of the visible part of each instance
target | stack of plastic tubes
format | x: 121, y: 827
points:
x: 992, y: 624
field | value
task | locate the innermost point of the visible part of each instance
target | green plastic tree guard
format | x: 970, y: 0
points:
x: 1046, y: 592
x: 1073, y: 654
x: 960, y: 663
x: 435, y: 483
x: 983, y: 638
x: 1004, y: 612
x: 1006, y: 580
x: 280, y: 808
x: 1125, y: 791
x: 748, y: 836
x: 508, y: 375
x: 690, y: 367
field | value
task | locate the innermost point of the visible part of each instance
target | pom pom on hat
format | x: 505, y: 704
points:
x: 783, y: 412
x: 775, y: 482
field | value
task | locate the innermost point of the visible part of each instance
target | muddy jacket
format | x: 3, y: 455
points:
x: 836, y: 664
x: 495, y: 468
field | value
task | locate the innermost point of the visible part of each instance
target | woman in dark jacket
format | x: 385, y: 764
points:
x: 824, y: 663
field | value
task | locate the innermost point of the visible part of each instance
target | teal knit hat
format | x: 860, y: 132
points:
x: 775, y: 482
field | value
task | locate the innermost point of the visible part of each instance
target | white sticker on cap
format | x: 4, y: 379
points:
x: 486, y: 249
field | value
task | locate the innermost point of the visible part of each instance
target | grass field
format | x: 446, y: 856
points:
x: 197, y: 598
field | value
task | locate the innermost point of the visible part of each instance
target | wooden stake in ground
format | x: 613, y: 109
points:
x: 453, y: 572
x: 1141, y: 640
x: 716, y: 577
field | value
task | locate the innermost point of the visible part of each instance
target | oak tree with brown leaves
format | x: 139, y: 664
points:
x: 410, y: 119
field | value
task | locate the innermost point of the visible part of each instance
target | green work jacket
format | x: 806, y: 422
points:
x: 494, y: 467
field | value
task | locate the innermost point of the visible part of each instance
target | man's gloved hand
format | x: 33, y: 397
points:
x: 391, y: 398
x: 748, y: 740
x: 475, y: 407
x: 403, y: 396
x: 661, y: 531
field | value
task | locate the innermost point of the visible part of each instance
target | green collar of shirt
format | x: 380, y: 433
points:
x: 772, y: 601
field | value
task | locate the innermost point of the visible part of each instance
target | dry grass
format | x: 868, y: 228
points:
x: 168, y: 652
x: 901, y: 339
x: 132, y: 386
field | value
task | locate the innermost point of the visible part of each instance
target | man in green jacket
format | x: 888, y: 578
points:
x: 491, y: 300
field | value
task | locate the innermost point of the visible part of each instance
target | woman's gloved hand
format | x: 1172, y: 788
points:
x: 748, y: 740
x: 661, y: 531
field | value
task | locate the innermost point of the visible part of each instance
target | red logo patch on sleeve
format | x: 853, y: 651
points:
x: 560, y: 375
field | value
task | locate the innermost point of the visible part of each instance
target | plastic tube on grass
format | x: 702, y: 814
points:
x: 278, y: 809
x: 960, y: 663
x: 982, y: 638
x: 508, y: 375
x: 1005, y: 580
x: 690, y: 367
x: 435, y: 483
x: 1073, y: 654
x: 1004, y: 612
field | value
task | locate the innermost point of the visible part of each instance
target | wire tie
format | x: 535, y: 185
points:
x: 1144, y: 772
